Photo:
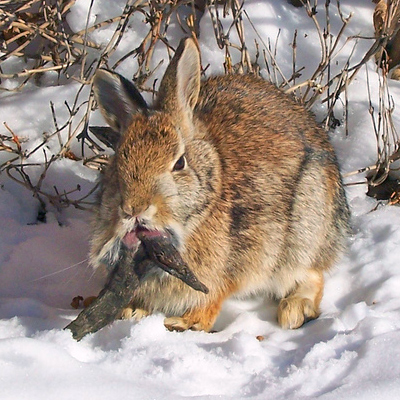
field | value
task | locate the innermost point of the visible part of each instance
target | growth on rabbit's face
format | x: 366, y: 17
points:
x: 237, y: 175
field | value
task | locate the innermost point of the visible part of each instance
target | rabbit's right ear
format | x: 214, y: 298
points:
x: 180, y: 86
x: 118, y: 99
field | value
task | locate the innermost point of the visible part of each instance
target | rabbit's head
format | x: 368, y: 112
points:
x: 163, y: 176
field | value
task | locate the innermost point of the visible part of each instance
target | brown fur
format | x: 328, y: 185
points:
x: 259, y: 208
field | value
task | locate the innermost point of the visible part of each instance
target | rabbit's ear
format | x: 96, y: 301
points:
x: 118, y: 99
x: 181, y: 83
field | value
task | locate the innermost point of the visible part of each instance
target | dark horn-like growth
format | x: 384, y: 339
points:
x: 130, y: 270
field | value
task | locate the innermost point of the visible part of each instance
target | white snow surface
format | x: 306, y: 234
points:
x: 351, y: 352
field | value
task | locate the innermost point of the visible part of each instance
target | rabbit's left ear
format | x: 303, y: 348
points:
x: 180, y: 85
x: 118, y: 99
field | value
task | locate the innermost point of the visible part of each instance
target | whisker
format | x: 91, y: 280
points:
x: 60, y: 271
x: 92, y: 274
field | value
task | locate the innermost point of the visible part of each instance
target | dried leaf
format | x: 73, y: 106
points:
x: 76, y: 302
x: 71, y: 155
x: 88, y: 301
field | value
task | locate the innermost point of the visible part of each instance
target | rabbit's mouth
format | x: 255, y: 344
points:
x: 132, y: 239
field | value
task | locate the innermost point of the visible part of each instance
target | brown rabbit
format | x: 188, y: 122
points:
x: 240, y: 178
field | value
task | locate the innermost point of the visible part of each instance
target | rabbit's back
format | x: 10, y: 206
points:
x: 236, y: 108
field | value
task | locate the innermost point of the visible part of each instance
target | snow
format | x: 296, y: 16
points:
x: 351, y: 352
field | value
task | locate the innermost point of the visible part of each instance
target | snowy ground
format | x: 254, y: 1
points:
x: 351, y: 352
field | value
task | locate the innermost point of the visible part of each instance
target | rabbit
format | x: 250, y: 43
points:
x: 240, y: 178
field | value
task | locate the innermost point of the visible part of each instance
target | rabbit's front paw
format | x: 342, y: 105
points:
x: 181, y: 324
x: 198, y: 319
x: 293, y: 312
x: 135, y: 314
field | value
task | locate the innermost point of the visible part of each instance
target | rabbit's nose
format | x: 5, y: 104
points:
x: 130, y: 212
x: 139, y: 213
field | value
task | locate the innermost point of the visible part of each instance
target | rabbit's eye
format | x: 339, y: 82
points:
x: 180, y: 164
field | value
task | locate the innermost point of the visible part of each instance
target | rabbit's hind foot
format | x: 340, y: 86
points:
x: 302, y: 304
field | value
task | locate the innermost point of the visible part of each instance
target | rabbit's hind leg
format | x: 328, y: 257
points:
x: 303, y: 303
x: 197, y: 319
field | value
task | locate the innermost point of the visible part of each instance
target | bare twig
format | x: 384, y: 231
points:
x: 77, y: 55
